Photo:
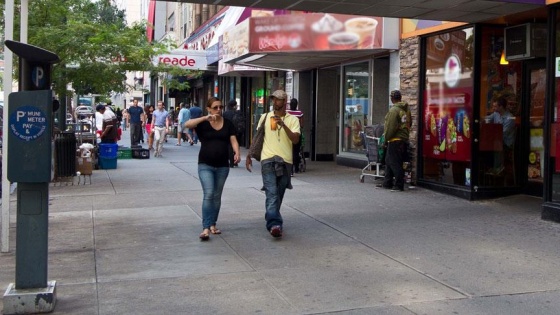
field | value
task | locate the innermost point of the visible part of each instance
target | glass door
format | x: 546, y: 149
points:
x: 534, y: 168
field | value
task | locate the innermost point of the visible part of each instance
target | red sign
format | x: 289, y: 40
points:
x: 194, y: 60
x: 184, y: 61
x: 447, y: 124
x: 302, y: 32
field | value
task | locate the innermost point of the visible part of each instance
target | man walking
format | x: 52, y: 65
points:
x: 397, y: 128
x: 282, y: 130
x: 196, y: 112
x: 232, y: 114
x: 160, y: 125
x: 182, y: 131
x: 137, y: 120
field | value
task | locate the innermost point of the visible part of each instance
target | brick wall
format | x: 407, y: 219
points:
x: 409, y: 64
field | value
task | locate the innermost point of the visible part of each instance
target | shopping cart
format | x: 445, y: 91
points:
x: 375, y: 167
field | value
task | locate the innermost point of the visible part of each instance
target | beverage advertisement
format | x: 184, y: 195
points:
x: 317, y: 31
x: 448, y: 124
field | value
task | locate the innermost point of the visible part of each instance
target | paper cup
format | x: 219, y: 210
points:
x: 365, y: 28
x: 343, y: 40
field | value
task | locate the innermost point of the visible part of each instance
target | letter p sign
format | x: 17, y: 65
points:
x: 38, y: 77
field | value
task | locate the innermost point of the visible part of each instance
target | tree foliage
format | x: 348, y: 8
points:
x: 95, y: 45
x: 93, y: 41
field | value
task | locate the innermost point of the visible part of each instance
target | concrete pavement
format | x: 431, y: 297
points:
x: 128, y: 244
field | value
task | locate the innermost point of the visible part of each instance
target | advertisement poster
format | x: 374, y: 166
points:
x: 448, y: 124
x: 235, y: 41
x: 305, y: 32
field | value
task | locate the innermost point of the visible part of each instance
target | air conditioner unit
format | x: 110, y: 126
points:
x: 525, y: 41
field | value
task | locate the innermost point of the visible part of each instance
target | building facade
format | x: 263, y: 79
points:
x: 451, y: 74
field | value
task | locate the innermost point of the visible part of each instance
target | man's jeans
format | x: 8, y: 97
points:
x: 135, y: 133
x: 275, y: 187
x: 212, y: 180
x: 397, y: 152
x: 193, y: 135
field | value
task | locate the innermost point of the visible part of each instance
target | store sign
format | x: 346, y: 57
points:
x: 236, y: 41
x: 183, y: 59
x: 301, y: 32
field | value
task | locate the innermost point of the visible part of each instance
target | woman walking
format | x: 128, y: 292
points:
x: 215, y: 134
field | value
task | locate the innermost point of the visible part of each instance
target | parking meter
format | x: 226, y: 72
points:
x: 29, y: 160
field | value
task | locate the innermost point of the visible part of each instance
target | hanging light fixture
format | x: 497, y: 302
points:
x: 503, y: 60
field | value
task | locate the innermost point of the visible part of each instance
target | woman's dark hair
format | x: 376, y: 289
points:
x: 293, y: 104
x: 212, y: 100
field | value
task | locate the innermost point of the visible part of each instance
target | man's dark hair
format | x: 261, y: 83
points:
x: 396, y: 95
x: 502, y: 102
x: 232, y: 103
x: 293, y: 104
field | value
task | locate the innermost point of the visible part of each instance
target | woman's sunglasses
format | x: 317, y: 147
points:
x: 218, y: 107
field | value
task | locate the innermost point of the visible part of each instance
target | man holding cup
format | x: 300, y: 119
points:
x: 282, y: 130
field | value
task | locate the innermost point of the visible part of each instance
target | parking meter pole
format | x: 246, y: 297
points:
x: 32, y: 235
x: 30, y: 121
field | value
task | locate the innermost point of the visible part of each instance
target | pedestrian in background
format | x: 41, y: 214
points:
x: 281, y: 132
x: 396, y: 132
x: 229, y: 114
x: 109, y: 129
x: 216, y: 134
x: 182, y: 131
x: 136, y: 121
x: 125, y: 119
x: 297, y: 146
x: 196, y: 112
x: 149, y: 112
x: 160, y: 125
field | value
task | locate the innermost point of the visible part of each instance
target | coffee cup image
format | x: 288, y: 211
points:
x: 365, y: 27
x: 343, y: 40
x: 322, y: 28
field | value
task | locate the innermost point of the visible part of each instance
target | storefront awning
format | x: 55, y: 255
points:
x: 307, y: 41
x: 441, y: 10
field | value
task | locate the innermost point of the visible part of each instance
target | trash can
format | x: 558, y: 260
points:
x: 65, y: 154
x: 108, y: 155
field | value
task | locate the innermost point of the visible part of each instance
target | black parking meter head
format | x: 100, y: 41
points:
x: 35, y: 65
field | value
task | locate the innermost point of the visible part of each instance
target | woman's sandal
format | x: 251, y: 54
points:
x: 214, y: 230
x: 204, y: 236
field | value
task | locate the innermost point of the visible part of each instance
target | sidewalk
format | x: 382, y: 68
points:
x: 128, y: 244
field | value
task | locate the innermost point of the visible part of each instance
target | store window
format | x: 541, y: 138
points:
x: 258, y: 101
x: 500, y: 109
x: 356, y: 104
x: 448, y: 108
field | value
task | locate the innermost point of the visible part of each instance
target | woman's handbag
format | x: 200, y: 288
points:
x: 258, y: 141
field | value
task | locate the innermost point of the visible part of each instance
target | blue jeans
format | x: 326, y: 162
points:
x: 212, y: 180
x: 274, y: 187
x: 193, y: 135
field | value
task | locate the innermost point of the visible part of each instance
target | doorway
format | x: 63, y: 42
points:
x: 532, y: 137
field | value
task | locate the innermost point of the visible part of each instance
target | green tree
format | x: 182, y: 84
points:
x: 94, y: 43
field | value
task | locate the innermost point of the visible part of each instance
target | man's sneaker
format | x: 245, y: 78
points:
x: 276, y: 231
x: 397, y: 189
x: 382, y: 186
